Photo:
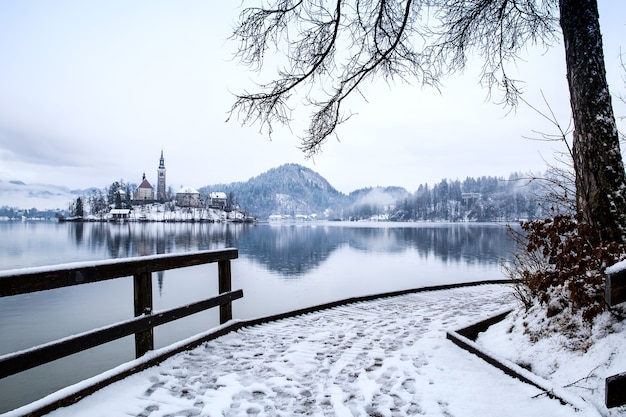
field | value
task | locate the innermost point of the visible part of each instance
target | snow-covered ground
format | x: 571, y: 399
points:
x: 580, y: 364
x: 388, y: 357
x: 161, y: 213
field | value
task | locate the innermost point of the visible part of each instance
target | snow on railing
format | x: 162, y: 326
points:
x: 28, y: 280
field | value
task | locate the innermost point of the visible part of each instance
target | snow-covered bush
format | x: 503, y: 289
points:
x: 557, y: 267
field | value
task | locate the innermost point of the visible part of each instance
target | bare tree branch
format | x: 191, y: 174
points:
x: 335, y: 51
x: 558, y: 183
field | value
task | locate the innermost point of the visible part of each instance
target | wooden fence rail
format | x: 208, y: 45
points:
x: 29, y: 280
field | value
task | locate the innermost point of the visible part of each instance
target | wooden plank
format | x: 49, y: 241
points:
x: 615, y: 288
x: 615, y: 390
x: 20, y: 361
x: 142, y: 285
x: 224, y: 285
x: 27, y: 280
x: 471, y: 332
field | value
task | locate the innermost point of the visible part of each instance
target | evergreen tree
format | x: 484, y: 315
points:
x: 78, y: 207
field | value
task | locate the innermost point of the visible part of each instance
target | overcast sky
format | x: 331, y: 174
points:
x: 90, y: 92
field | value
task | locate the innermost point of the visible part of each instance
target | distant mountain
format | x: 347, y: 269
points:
x: 294, y: 190
x: 290, y: 189
x: 16, y: 193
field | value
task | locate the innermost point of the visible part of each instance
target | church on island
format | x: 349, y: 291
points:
x: 185, y: 205
x: 185, y: 197
x: 145, y: 192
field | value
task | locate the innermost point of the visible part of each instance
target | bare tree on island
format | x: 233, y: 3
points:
x: 339, y: 46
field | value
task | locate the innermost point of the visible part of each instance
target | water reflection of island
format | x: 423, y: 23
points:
x: 294, y: 250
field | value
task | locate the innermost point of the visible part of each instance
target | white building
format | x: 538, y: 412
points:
x: 218, y: 200
x: 187, y: 197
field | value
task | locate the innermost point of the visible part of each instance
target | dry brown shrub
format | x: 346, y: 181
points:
x: 558, y: 266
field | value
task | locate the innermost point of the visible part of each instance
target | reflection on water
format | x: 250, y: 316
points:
x: 294, y: 250
x: 288, y: 250
x: 323, y: 261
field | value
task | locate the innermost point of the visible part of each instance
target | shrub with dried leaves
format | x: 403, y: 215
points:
x: 558, y: 266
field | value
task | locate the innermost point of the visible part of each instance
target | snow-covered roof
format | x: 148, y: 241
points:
x: 187, y: 190
x: 217, y: 194
x: 120, y: 211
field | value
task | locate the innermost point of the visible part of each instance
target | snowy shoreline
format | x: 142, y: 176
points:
x: 158, y: 213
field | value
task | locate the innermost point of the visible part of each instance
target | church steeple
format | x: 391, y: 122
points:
x: 161, y: 187
x: 162, y: 161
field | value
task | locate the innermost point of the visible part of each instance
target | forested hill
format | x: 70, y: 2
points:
x: 294, y: 190
x: 290, y: 189
x: 475, y: 199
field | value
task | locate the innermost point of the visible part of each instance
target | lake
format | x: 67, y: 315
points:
x: 281, y: 267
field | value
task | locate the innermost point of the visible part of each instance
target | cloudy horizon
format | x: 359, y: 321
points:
x: 91, y: 93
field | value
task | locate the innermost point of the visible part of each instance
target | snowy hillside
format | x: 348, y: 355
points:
x: 290, y: 189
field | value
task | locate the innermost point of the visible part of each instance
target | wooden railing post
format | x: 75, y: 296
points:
x: 224, y: 285
x: 615, y: 293
x: 144, y: 340
x: 16, y: 282
x: 615, y: 287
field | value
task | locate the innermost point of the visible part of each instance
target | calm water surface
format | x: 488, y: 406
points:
x: 280, y: 268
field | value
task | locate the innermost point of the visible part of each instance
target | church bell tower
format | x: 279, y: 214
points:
x: 161, y: 194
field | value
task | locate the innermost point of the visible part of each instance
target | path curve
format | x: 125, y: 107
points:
x: 387, y: 357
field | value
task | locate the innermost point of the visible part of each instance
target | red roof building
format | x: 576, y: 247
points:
x: 144, y: 192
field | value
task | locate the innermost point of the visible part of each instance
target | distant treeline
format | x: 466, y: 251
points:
x: 294, y: 190
x: 474, y: 199
x: 15, y: 213
x: 299, y: 192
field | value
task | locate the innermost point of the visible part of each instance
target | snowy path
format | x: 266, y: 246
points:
x: 388, y: 357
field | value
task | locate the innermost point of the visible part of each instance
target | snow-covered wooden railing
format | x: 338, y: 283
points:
x: 615, y: 284
x: 28, y: 280
x: 615, y: 293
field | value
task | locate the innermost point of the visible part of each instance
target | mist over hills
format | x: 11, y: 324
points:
x: 16, y: 193
x: 292, y: 190
x: 289, y: 189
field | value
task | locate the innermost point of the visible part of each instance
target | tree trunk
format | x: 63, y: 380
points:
x: 600, y: 176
